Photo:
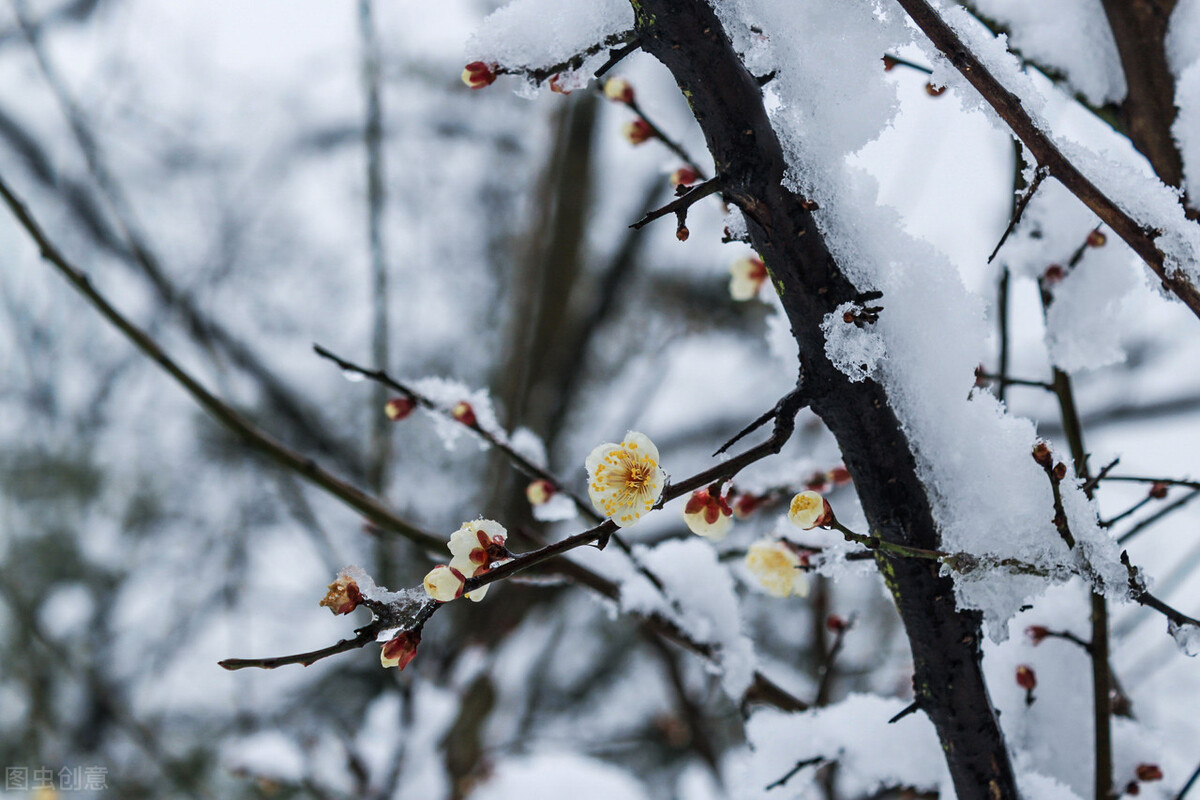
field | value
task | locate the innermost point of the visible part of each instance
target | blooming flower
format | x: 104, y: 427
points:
x: 624, y: 480
x: 747, y: 275
x: 708, y: 515
x: 777, y: 568
x: 343, y: 596
x: 444, y: 583
x: 637, y: 131
x: 401, y: 649
x: 809, y: 510
x: 477, y: 74
x: 618, y: 90
x: 539, y: 492
x: 475, y: 547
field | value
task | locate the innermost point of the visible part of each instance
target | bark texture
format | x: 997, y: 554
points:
x: 727, y: 102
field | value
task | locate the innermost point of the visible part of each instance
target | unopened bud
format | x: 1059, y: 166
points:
x: 539, y: 492
x: 1026, y: 678
x: 817, y: 482
x: 889, y: 63
x: 934, y: 91
x: 1041, y: 454
x: 1037, y: 633
x: 682, y: 233
x: 1148, y: 772
x: 463, y: 412
x: 637, y: 131
x: 1060, y: 471
x: 839, y: 476
x: 1053, y: 274
x: 478, y: 74
x: 343, y: 595
x: 836, y: 623
x: 809, y: 205
x: 398, y: 408
x: 684, y: 176
x: 400, y: 650
x: 1158, y: 490
x: 1096, y: 239
x: 618, y: 90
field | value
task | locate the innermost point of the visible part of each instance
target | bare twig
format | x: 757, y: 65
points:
x: 1158, y: 515
x: 791, y: 773
x: 1009, y: 107
x: 1038, y: 176
x: 365, y: 504
x: 681, y: 204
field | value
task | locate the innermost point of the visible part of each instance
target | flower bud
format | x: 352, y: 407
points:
x: 618, y: 90
x: 539, y: 492
x: 836, y: 624
x: 682, y: 233
x: 444, y: 583
x: 477, y: 74
x: 747, y: 275
x: 839, y: 476
x: 400, y: 650
x: 343, y: 595
x: 889, y: 63
x: 1060, y: 471
x: 747, y: 504
x: 776, y: 566
x: 684, y: 176
x: 1053, y: 274
x: 809, y: 205
x: 1096, y: 239
x: 809, y: 510
x: 557, y: 84
x: 1026, y: 678
x: 463, y: 412
x: 1037, y: 633
x: 708, y: 515
x: 934, y: 91
x: 637, y: 131
x: 1041, y: 454
x: 398, y: 408
x: 1149, y: 772
x: 1158, y: 490
x: 817, y: 482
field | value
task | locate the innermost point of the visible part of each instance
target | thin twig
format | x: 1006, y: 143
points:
x: 1188, y: 784
x: 791, y: 773
x: 1038, y: 176
x: 911, y: 708
x: 365, y: 504
x: 615, y: 56
x: 681, y: 204
x: 1157, y: 515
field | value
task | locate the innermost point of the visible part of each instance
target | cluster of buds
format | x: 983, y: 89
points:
x: 810, y: 510
x: 474, y: 548
x: 863, y: 314
x: 778, y: 566
x: 746, y: 277
x: 1045, y: 459
x: 682, y: 178
x: 463, y: 412
x: 1027, y: 680
x: 479, y: 74
x: 708, y: 514
x: 399, y: 408
x: 343, y: 596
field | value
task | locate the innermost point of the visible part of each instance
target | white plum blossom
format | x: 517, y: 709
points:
x: 475, y: 547
x: 708, y: 515
x: 776, y: 566
x: 809, y: 510
x: 625, y: 480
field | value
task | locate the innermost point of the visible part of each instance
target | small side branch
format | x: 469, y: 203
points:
x: 615, y: 55
x: 681, y: 204
x: 791, y: 773
x: 365, y: 636
x: 1038, y: 176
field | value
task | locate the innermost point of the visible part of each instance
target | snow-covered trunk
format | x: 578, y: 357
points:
x: 687, y: 37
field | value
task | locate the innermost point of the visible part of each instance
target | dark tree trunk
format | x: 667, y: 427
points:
x: 687, y: 37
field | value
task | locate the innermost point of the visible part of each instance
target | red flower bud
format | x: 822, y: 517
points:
x: 539, y: 492
x: 1060, y: 471
x: 934, y: 91
x: 817, y: 482
x: 638, y: 131
x: 1026, y: 678
x: 1158, y: 490
x: 682, y: 233
x: 1037, y: 633
x: 684, y: 176
x: 1053, y: 274
x: 402, y: 649
x: 463, y: 413
x: 1041, y: 454
x: 477, y: 74
x: 839, y: 476
x: 835, y: 623
x: 1149, y: 772
x: 1133, y: 789
x: 889, y: 63
x: 1096, y: 239
x: 343, y: 596
x: 398, y: 408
